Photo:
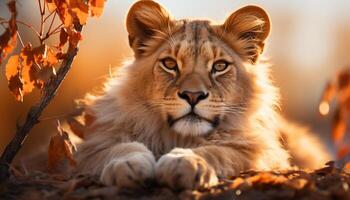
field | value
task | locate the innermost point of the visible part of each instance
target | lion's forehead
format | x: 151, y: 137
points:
x: 195, y: 42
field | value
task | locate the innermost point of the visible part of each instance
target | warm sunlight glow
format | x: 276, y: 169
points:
x: 324, y: 108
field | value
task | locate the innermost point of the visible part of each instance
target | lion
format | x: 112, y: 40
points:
x: 195, y: 104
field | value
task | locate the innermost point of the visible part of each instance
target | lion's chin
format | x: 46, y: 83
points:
x: 192, y: 127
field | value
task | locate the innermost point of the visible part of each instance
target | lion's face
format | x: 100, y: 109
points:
x: 199, y: 79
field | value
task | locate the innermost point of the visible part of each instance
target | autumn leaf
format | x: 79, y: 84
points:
x: 51, y: 5
x: 60, y: 149
x: 32, y: 68
x: 9, y: 37
x: 51, y: 58
x: 39, y: 53
x: 12, y: 67
x: 18, y: 75
x: 63, y: 37
x: 47, y: 68
x: 29, y: 69
x: 81, y: 9
x: 96, y: 7
x: 15, y: 85
x: 15, y: 82
x: 74, y: 37
x: 64, y: 12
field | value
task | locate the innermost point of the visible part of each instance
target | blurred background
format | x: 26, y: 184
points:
x: 310, y: 41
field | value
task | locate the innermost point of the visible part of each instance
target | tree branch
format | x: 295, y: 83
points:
x: 34, y: 113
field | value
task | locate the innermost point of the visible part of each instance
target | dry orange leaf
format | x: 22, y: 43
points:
x: 9, y: 37
x: 96, y: 7
x: 51, y: 5
x: 29, y: 69
x: 81, y: 9
x: 63, y: 37
x: 15, y: 83
x: 60, y: 149
x: 74, y: 37
x: 64, y: 12
x: 51, y: 58
x: 12, y: 67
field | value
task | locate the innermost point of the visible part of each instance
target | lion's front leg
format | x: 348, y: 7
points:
x: 126, y: 165
x: 200, y: 167
x: 183, y: 169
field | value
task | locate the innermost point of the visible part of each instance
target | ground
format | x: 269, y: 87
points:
x: 325, y: 183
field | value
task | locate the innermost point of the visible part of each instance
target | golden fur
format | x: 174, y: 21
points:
x: 143, y: 130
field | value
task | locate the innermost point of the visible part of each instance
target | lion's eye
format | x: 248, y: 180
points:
x: 169, y: 63
x: 219, y: 66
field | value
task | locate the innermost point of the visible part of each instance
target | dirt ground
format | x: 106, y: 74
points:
x: 325, y: 183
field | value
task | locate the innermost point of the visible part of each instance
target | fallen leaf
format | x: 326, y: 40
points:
x: 60, y: 149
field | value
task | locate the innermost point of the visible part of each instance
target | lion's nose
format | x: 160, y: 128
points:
x: 193, y: 97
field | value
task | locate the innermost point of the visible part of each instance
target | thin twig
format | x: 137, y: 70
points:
x: 42, y: 23
x: 24, y: 24
x: 55, y: 31
x: 41, y: 10
x: 44, y: 8
x: 48, y: 16
x: 52, y: 21
x: 58, y: 27
x: 20, y: 39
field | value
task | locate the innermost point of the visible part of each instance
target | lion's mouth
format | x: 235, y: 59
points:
x: 193, y: 118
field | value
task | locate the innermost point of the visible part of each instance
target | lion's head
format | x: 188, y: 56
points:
x: 197, y: 76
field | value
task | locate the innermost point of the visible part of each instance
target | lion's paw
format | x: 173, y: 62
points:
x: 182, y: 169
x: 133, y: 171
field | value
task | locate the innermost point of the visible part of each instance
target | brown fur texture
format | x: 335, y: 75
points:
x: 194, y: 105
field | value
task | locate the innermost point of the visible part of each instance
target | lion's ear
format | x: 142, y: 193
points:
x: 144, y: 20
x: 251, y: 26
